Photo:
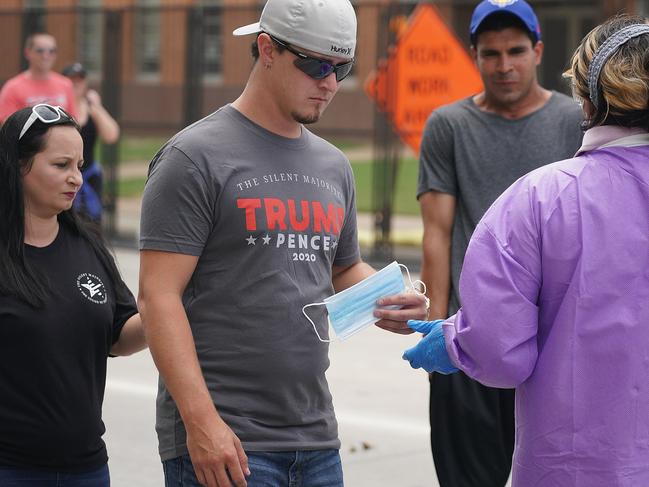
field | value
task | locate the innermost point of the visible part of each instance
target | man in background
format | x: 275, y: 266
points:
x: 39, y: 83
x: 472, y: 150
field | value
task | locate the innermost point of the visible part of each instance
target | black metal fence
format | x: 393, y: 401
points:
x: 161, y: 68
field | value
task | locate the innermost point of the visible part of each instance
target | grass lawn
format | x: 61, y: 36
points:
x: 130, y: 188
x: 142, y: 148
x: 136, y: 149
x: 405, y: 201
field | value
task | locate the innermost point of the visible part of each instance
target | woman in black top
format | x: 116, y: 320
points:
x: 63, y: 309
x: 96, y: 123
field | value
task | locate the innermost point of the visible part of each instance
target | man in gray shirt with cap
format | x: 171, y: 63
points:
x: 472, y: 150
x: 246, y: 218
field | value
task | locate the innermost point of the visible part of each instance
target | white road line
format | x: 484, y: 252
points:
x: 393, y: 424
x: 133, y: 388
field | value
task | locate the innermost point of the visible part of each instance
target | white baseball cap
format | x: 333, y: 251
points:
x: 327, y: 27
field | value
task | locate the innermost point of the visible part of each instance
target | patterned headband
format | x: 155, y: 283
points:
x: 605, y: 51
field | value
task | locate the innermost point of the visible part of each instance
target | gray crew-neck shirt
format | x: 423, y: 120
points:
x: 475, y: 155
x: 268, y: 216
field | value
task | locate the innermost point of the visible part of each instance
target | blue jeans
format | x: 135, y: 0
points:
x: 318, y: 468
x: 21, y: 477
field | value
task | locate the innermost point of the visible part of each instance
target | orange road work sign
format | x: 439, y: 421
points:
x: 427, y: 68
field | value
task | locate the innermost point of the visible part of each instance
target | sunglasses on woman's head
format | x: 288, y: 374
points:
x: 46, y: 114
x: 317, y: 68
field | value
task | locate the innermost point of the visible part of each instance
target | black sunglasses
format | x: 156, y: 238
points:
x: 317, y: 68
x: 45, y: 50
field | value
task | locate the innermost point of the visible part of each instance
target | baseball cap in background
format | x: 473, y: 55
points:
x: 326, y: 27
x: 75, y: 69
x: 519, y: 8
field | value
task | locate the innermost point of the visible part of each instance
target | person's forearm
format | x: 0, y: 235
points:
x: 436, y: 273
x: 342, y: 279
x: 131, y: 338
x: 107, y: 127
x: 174, y: 353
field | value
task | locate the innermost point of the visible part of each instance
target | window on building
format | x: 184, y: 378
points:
x: 351, y: 77
x: 34, y: 16
x: 562, y: 30
x: 212, y: 40
x: 642, y: 7
x: 34, y: 4
x: 90, y: 29
x: 33, y: 20
x: 147, y: 36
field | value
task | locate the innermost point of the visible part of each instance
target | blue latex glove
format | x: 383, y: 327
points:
x: 430, y: 353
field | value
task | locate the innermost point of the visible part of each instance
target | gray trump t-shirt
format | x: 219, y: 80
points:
x: 268, y: 217
x: 475, y: 156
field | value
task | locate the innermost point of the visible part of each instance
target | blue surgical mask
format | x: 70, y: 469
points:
x: 352, y: 310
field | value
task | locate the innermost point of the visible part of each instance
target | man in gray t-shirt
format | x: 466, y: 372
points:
x: 471, y: 152
x: 247, y: 217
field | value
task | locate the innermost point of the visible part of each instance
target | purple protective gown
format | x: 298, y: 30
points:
x: 555, y: 288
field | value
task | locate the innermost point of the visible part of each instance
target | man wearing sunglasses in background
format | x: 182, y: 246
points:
x: 39, y: 83
x: 247, y: 217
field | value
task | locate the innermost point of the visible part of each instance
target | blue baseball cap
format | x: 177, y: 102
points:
x: 518, y: 8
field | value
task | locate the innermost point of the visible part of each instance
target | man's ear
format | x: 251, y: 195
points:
x: 266, y: 48
x: 538, y: 51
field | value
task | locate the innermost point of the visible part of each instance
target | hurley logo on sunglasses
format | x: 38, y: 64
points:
x: 341, y: 50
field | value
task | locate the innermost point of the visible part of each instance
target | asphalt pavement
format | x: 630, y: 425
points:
x: 381, y: 405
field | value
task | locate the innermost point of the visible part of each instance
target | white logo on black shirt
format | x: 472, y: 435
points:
x: 92, y: 288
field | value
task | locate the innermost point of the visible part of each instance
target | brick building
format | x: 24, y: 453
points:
x: 153, y: 46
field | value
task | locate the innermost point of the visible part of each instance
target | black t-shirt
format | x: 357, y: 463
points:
x: 53, y: 360
x: 89, y: 137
